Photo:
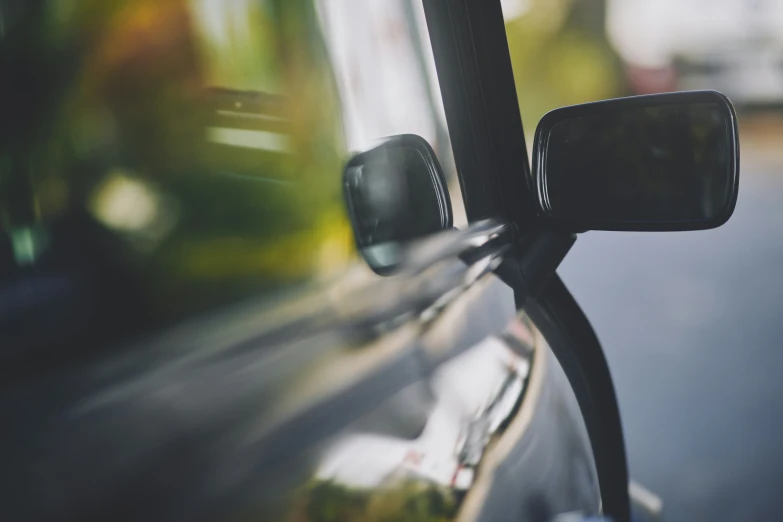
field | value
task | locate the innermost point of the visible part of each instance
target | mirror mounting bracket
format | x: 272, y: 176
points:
x: 533, y: 261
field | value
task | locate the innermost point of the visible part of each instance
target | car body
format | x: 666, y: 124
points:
x: 366, y: 403
x: 162, y: 364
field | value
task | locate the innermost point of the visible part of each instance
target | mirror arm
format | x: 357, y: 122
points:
x: 528, y: 269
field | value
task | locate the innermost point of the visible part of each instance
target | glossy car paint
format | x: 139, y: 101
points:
x: 441, y: 402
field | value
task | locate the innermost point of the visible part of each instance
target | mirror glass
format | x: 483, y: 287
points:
x: 395, y: 193
x: 635, y: 166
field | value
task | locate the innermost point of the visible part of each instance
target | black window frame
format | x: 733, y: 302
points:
x: 473, y: 64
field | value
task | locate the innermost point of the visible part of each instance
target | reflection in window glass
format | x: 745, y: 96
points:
x: 164, y: 159
x: 385, y: 71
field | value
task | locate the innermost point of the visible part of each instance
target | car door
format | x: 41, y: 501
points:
x: 165, y: 360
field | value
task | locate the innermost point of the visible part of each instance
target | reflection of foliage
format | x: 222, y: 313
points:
x: 328, y: 502
x: 131, y: 86
x: 408, y: 501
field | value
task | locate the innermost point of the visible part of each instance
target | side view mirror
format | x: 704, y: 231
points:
x: 646, y: 163
x: 395, y: 193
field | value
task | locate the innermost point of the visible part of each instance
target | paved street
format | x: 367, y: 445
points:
x: 693, y: 328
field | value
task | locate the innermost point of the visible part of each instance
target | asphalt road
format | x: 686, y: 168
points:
x: 692, y: 323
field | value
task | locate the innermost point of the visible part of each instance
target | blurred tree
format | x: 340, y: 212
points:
x: 560, y: 55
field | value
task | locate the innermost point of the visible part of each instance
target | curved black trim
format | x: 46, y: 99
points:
x: 551, y: 118
x: 573, y: 341
x: 477, y: 85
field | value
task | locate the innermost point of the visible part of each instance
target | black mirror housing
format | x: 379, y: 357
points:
x: 395, y: 193
x: 662, y: 162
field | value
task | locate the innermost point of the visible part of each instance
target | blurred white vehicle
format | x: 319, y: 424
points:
x: 733, y: 46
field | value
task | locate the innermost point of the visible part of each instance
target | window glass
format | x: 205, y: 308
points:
x: 163, y: 159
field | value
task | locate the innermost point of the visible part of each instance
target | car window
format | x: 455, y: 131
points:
x: 164, y: 159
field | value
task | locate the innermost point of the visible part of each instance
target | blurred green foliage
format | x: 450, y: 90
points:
x: 561, y: 56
